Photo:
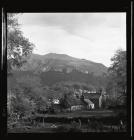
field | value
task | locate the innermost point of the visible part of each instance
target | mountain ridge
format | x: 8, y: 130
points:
x: 50, y: 54
x: 62, y: 62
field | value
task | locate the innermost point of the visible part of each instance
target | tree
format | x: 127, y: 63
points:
x: 18, y: 47
x: 31, y: 85
x: 76, y: 86
x: 66, y: 99
x: 117, y: 73
x: 19, y: 106
x: 25, y: 96
x: 85, y: 87
x: 64, y: 102
x: 41, y: 104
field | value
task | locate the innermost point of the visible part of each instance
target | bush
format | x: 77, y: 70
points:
x: 61, y: 129
x: 74, y: 130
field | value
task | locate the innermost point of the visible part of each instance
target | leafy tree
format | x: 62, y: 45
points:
x: 41, y: 104
x: 85, y: 87
x: 26, y: 97
x: 117, y: 73
x: 18, y: 47
x: 24, y: 105
x: 31, y: 85
x: 76, y: 86
x: 19, y: 106
x: 64, y: 102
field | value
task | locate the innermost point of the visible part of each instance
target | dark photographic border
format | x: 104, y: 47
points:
x: 65, y: 6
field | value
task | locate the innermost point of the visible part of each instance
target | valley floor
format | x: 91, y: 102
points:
x: 79, y: 121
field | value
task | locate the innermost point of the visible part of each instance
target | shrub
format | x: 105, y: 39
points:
x: 61, y: 129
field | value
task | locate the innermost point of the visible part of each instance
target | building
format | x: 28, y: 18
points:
x: 77, y: 104
x: 81, y: 104
x: 56, y: 101
x: 93, y: 97
x: 90, y: 104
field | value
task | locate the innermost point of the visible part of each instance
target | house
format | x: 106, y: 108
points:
x: 80, y: 104
x: 90, y: 104
x: 56, y: 101
x: 77, y: 104
x: 98, y: 98
x: 53, y: 105
x: 56, y: 105
x: 93, y: 97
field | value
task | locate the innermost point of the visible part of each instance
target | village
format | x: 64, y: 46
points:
x: 84, y: 112
x: 83, y: 100
x: 70, y: 78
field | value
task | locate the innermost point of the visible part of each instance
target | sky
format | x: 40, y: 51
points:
x: 91, y: 36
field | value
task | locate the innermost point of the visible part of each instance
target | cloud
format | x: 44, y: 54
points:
x: 93, y: 36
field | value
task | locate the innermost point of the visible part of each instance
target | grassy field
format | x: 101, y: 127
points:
x: 93, y: 113
x: 61, y: 128
x: 100, y: 121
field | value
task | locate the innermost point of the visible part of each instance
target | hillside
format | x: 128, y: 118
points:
x: 62, y: 62
x: 55, y: 68
x: 51, y: 77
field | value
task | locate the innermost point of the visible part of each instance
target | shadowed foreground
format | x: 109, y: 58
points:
x: 84, y: 121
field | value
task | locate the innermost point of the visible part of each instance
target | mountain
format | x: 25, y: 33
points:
x: 62, y: 63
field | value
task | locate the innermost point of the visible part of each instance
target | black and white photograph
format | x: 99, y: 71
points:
x: 66, y: 72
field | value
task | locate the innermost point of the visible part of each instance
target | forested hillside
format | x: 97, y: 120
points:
x: 62, y: 62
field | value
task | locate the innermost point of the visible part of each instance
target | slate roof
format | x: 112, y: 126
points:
x: 88, y: 101
x: 93, y: 97
x: 74, y: 102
